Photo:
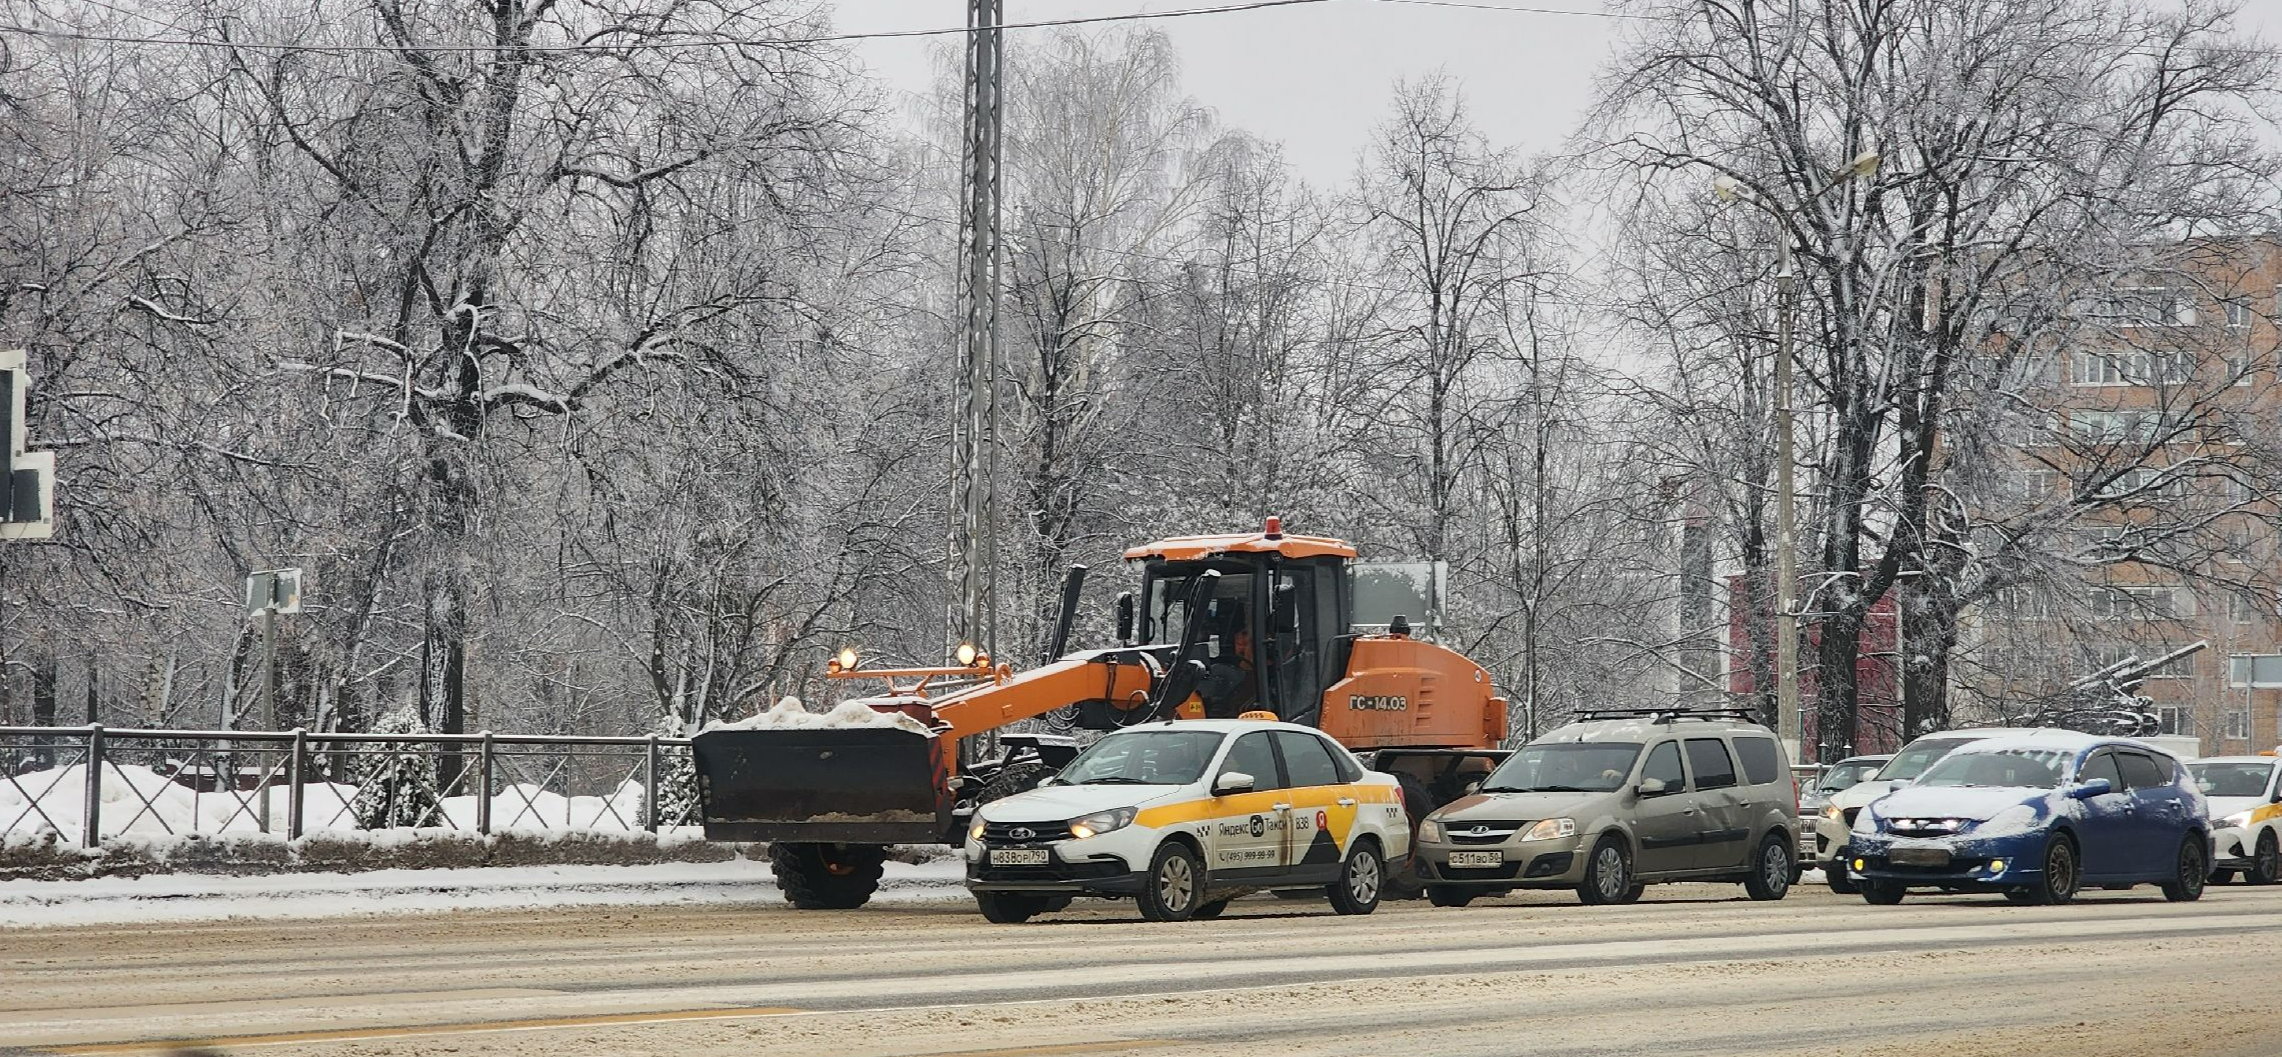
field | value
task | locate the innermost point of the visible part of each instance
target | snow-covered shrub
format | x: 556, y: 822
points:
x: 396, y: 783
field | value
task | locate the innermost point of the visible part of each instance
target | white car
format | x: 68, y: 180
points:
x: 2246, y: 815
x: 1185, y: 815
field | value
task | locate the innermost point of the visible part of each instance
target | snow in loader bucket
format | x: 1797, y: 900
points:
x: 857, y: 785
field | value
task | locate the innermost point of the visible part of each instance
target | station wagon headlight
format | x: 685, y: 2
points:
x: 975, y: 832
x: 1101, y: 822
x: 1832, y: 813
x: 1551, y: 828
x: 2236, y: 821
x: 1430, y: 829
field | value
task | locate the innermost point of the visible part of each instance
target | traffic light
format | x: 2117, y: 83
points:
x: 27, y: 502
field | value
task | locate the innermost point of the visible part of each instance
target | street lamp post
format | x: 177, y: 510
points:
x: 1790, y: 724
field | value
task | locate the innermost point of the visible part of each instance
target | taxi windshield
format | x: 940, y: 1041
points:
x: 2231, y: 779
x: 1598, y: 767
x: 1917, y: 756
x: 1144, y: 757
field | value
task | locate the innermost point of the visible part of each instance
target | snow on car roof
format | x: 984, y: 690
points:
x: 1224, y: 726
x: 2044, y: 738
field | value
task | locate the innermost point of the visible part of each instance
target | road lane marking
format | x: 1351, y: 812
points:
x: 259, y: 1005
x: 412, y: 1031
x: 1051, y: 1050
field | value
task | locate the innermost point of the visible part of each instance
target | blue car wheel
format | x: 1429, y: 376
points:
x: 2186, y: 884
x: 2061, y: 876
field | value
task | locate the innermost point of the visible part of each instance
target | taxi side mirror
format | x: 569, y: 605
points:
x: 1231, y: 782
x: 1473, y: 787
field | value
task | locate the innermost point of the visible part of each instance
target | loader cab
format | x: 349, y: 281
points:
x: 1281, y: 599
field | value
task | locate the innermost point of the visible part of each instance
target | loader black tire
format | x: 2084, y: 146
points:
x: 827, y: 876
x: 1010, y: 908
x: 1402, y: 880
x: 1011, y: 779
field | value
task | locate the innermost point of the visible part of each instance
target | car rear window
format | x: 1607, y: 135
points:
x: 1760, y: 759
x: 1708, y: 758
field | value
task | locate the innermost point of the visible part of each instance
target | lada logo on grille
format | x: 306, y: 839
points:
x: 1481, y: 831
x: 1021, y: 833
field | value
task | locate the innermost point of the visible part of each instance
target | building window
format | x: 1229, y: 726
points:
x: 2241, y: 608
x: 2148, y: 306
x: 2153, y: 603
x: 2237, y: 725
x: 2238, y: 366
x: 2131, y: 367
x: 2176, y: 719
x: 2238, y: 311
x: 2256, y: 671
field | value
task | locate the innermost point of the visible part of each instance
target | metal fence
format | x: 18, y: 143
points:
x: 85, y: 783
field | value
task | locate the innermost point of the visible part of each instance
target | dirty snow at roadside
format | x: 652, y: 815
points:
x: 789, y: 714
x: 187, y: 897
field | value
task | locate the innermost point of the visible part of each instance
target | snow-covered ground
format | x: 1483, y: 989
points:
x: 185, y: 897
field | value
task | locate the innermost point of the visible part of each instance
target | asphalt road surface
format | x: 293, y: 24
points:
x: 1692, y: 970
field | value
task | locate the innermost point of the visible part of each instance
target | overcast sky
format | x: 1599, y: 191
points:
x: 1314, y: 77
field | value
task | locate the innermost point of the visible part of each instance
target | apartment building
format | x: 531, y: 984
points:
x: 2154, y: 468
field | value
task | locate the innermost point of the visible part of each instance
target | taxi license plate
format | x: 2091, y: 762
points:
x: 1919, y: 856
x: 1018, y: 856
x: 1465, y: 860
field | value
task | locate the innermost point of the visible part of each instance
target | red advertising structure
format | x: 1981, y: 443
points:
x: 1877, y: 671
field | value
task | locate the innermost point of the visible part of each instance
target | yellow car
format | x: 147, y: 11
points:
x: 2246, y: 816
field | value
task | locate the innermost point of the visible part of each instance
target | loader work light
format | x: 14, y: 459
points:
x: 846, y: 658
x: 966, y: 654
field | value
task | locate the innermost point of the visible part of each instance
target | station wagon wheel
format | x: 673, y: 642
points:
x: 1608, y: 873
x: 2186, y: 884
x: 2266, y: 862
x: 1174, y: 887
x: 1770, y: 876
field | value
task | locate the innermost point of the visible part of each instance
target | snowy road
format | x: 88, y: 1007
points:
x: 1690, y: 971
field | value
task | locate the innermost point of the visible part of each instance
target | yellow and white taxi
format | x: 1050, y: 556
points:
x: 1185, y: 815
x: 2245, y: 793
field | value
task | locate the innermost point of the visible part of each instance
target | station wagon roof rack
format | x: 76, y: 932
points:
x: 1667, y: 715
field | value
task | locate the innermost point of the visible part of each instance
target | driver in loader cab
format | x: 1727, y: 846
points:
x: 1229, y: 687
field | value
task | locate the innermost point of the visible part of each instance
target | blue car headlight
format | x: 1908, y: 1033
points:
x: 2020, y: 818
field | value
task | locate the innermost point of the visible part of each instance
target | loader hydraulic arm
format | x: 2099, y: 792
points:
x: 1121, y: 677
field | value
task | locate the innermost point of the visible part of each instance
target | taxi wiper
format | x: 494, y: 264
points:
x: 1116, y: 779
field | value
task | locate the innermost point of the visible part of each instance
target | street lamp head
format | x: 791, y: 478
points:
x: 1863, y: 164
x: 1726, y: 188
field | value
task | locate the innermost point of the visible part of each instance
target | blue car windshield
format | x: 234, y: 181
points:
x: 2005, y: 768
x: 1143, y: 757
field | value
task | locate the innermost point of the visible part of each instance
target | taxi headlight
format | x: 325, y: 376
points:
x: 1101, y: 822
x: 1551, y: 828
x: 975, y: 832
x: 2236, y: 821
x: 1430, y: 829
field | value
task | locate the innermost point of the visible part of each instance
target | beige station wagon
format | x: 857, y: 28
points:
x: 1622, y: 799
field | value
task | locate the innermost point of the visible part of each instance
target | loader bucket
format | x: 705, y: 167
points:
x: 866, y: 785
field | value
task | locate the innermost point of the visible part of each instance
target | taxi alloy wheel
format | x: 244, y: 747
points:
x: 1174, y: 889
x: 2266, y: 862
x: 1360, y: 882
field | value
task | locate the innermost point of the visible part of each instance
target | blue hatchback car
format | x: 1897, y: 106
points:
x: 2035, y: 818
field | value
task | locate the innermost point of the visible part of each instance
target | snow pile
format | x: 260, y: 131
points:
x: 39, y: 807
x: 524, y: 806
x: 789, y: 714
x: 136, y: 800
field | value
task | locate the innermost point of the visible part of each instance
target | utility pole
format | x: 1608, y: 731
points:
x: 1790, y: 726
x: 974, y: 430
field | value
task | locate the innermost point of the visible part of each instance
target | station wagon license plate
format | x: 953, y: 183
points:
x: 1919, y: 856
x: 1018, y: 856
x: 1475, y: 860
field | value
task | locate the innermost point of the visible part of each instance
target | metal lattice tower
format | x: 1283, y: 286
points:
x: 974, y: 430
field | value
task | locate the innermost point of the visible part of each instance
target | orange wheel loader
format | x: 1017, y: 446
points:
x: 1224, y: 625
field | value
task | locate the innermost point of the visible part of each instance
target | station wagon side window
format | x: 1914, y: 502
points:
x: 2102, y: 765
x: 1253, y: 755
x: 1664, y: 765
x: 1305, y: 759
x: 1760, y: 759
x: 1709, y: 759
